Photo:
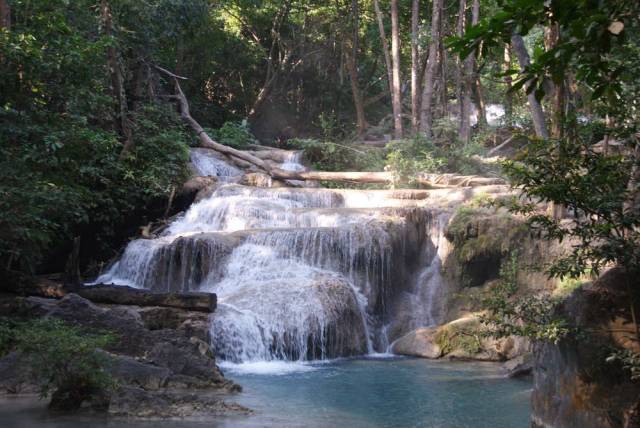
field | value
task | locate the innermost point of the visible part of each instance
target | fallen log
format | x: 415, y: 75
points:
x: 113, y: 294
x: 433, y: 180
x: 122, y: 295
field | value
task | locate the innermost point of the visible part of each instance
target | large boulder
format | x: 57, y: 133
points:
x: 463, y: 339
x: 418, y: 343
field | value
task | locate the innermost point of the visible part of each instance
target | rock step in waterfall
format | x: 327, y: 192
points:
x: 300, y: 274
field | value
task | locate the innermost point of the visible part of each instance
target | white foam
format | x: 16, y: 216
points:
x: 271, y: 368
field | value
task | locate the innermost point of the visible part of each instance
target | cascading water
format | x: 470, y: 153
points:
x: 300, y: 274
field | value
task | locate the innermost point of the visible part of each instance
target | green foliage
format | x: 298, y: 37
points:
x: 235, y: 134
x: 330, y: 156
x: 451, y: 337
x: 60, y: 178
x: 629, y: 360
x: 406, y: 158
x: 591, y: 34
x: 521, y: 314
x: 594, y: 188
x: 65, y: 360
x: 7, y: 336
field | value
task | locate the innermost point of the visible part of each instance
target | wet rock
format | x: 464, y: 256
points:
x: 15, y: 375
x: 573, y: 383
x: 129, y: 371
x: 172, y: 349
x: 520, y: 366
x: 190, y: 191
x: 136, y: 402
x: 260, y: 179
x: 418, y: 343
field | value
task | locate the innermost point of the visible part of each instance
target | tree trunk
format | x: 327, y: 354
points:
x: 444, y: 97
x: 508, y: 102
x: 352, y: 67
x: 273, y: 65
x: 552, y: 37
x: 426, y: 115
x: 5, y: 14
x: 468, y: 83
x: 415, y: 66
x: 117, y: 81
x: 395, y: 59
x: 537, y: 114
x: 460, y: 25
x: 385, y: 45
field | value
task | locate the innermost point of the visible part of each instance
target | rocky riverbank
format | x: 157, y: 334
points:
x: 160, y: 359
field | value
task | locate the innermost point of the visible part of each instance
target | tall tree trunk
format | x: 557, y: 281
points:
x: 117, y: 81
x: 5, y: 14
x: 274, y: 62
x: 415, y: 67
x: 460, y: 25
x: 469, y: 82
x: 552, y: 37
x: 537, y: 114
x: 385, y: 44
x: 426, y: 114
x: 508, y: 102
x: 444, y: 97
x: 395, y: 59
x: 352, y: 67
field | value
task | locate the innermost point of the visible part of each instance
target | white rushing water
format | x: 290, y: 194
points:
x: 300, y: 274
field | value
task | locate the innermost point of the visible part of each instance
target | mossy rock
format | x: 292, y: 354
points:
x: 482, y: 238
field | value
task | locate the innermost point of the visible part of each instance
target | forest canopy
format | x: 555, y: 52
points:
x: 92, y: 145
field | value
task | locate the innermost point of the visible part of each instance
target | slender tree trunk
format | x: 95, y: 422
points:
x: 415, y: 66
x: 274, y: 65
x: 5, y: 22
x: 444, y: 97
x: 480, y: 103
x: 537, y: 114
x: 117, y: 81
x: 5, y: 14
x: 352, y: 67
x: 460, y: 25
x: 508, y: 102
x: 395, y: 59
x: 385, y: 45
x: 469, y: 81
x: 426, y: 115
x: 552, y: 37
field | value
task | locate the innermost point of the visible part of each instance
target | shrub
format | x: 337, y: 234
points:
x: 65, y: 361
x: 330, y: 156
x: 411, y: 156
x: 235, y: 134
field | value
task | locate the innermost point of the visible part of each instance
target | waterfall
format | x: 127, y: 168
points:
x: 300, y: 273
x: 208, y: 162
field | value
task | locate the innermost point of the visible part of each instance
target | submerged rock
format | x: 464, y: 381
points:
x: 136, y: 402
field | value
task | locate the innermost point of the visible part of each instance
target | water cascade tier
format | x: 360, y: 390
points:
x: 300, y: 273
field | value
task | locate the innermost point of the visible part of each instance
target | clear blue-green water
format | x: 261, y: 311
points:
x: 369, y: 392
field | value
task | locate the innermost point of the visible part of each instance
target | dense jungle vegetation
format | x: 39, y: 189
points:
x: 92, y: 145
